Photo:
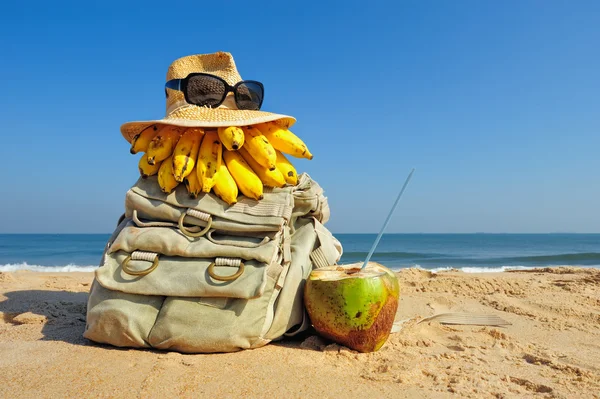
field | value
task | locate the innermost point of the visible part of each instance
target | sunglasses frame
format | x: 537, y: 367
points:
x: 182, y: 85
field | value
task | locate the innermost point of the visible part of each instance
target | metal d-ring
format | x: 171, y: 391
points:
x: 211, y: 272
x: 132, y: 272
x: 188, y: 233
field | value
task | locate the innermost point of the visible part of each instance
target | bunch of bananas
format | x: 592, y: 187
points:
x: 226, y: 160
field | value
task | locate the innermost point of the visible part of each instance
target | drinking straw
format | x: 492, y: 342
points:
x: 387, y: 220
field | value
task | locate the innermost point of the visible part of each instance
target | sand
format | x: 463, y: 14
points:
x: 550, y: 350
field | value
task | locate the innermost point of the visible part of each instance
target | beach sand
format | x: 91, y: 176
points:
x: 551, y: 349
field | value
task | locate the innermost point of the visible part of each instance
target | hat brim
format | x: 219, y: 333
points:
x: 208, y: 117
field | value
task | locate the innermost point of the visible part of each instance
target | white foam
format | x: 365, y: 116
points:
x: 499, y: 269
x: 465, y: 269
x: 13, y: 267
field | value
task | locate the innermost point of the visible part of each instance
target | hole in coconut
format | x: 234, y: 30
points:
x: 358, y: 314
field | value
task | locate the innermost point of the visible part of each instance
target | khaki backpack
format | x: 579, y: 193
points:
x: 199, y: 276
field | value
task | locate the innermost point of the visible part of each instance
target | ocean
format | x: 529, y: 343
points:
x: 469, y: 252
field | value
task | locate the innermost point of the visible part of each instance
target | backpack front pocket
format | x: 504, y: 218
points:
x: 185, y: 277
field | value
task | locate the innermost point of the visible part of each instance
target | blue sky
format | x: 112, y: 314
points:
x: 496, y: 104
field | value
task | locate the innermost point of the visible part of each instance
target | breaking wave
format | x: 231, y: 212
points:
x: 13, y: 267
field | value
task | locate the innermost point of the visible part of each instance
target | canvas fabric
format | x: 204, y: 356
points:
x: 183, y: 304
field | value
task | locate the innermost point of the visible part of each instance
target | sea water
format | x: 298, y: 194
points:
x: 468, y: 252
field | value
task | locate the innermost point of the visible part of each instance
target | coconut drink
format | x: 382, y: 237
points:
x: 353, y: 307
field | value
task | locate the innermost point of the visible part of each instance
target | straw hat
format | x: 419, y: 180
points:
x: 180, y: 113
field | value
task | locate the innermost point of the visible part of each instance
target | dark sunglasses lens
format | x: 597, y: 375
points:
x: 205, y: 91
x: 249, y: 95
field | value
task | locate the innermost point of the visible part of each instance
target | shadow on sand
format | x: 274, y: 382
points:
x: 62, y: 313
x: 63, y: 316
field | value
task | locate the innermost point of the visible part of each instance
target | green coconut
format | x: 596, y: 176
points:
x: 353, y: 307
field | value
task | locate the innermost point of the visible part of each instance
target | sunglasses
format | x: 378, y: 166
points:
x: 210, y: 91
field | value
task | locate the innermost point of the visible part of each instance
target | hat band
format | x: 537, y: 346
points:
x: 228, y: 103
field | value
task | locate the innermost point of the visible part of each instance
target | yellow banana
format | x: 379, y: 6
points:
x: 162, y: 145
x: 209, y: 160
x: 232, y: 137
x: 259, y: 147
x: 225, y: 187
x: 140, y: 141
x: 146, y: 169
x: 192, y: 184
x: 186, y: 153
x: 245, y: 178
x: 287, y: 169
x: 271, y: 178
x: 166, y: 181
x: 284, y: 140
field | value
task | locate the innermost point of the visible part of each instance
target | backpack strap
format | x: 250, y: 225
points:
x: 140, y: 223
x: 251, y: 207
x: 328, y: 251
x: 318, y: 258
